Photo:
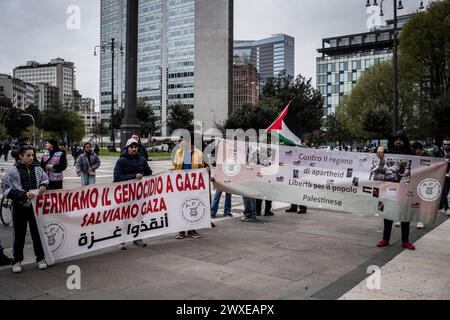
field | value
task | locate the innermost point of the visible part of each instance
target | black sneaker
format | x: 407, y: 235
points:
x: 228, y: 215
x: 268, y: 213
x: 302, y: 209
x: 248, y: 219
x: 258, y: 213
x: 292, y: 209
x: 4, y: 260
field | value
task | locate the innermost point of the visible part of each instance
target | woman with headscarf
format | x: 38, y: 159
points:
x: 54, y: 162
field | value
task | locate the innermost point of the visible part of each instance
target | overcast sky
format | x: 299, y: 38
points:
x: 37, y: 30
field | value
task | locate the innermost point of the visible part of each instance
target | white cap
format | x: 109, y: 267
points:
x: 132, y: 141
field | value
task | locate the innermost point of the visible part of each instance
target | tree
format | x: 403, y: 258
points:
x: 277, y: 93
x: 180, y: 117
x: 15, y: 123
x: 252, y: 117
x: 36, y: 113
x: 335, y: 130
x: 61, y: 121
x: 377, y: 123
x: 374, y: 92
x: 145, y: 116
x: 425, y: 40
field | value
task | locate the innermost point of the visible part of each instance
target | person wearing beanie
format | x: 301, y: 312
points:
x: 54, y: 162
x: 130, y: 166
x: 86, y: 165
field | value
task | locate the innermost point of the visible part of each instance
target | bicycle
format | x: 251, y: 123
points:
x: 5, y: 208
x: 6, y: 211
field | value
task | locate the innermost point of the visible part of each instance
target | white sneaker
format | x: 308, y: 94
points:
x: 42, y: 265
x: 420, y: 225
x: 398, y: 224
x: 140, y: 243
x: 122, y: 246
x: 17, y: 268
x: 447, y: 212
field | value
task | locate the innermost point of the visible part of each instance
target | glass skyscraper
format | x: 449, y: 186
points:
x: 166, y: 53
x: 345, y: 58
x: 270, y: 55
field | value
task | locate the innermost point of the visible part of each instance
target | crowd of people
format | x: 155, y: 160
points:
x: 47, y: 174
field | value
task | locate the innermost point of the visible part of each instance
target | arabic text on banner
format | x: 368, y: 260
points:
x: 77, y: 221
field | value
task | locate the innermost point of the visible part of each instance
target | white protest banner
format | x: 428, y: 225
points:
x: 398, y: 187
x: 77, y: 221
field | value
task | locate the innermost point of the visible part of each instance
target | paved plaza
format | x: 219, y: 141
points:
x: 320, y: 255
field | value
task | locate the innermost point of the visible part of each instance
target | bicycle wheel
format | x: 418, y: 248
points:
x: 6, y: 211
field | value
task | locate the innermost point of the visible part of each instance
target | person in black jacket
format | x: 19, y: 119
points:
x: 130, y: 166
x: 398, y: 144
x: 444, y: 152
x: 141, y: 149
x: 24, y: 176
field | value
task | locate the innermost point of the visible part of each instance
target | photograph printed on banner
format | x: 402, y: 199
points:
x: 391, y: 170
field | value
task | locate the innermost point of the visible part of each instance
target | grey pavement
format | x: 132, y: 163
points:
x: 320, y: 255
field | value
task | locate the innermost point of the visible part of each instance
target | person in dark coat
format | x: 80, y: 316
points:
x: 130, y: 166
x: 398, y: 144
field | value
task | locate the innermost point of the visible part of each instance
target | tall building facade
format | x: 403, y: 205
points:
x: 48, y: 96
x: 184, y: 55
x: 245, y: 83
x: 91, y: 118
x: 57, y: 73
x: 270, y: 56
x: 345, y: 58
x: 13, y: 89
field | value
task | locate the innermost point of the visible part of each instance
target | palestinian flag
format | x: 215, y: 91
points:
x: 287, y: 128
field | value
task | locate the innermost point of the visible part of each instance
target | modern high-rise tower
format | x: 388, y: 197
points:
x: 185, y: 55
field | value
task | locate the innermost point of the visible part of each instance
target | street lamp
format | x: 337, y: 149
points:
x: 111, y: 45
x: 398, y: 5
x: 34, y: 126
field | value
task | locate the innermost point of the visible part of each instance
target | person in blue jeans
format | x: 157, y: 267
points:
x: 249, y: 209
x: 215, y: 204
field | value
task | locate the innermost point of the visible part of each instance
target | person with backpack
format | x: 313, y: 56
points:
x: 54, y: 162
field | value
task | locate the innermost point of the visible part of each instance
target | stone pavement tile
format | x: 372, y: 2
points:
x: 46, y: 296
x: 255, y: 282
x: 151, y: 291
x: 195, y: 297
x: 108, y: 281
x: 227, y: 292
x: 302, y: 289
x: 90, y: 295
x: 191, y: 267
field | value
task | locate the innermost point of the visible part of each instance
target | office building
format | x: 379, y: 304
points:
x: 48, y: 96
x: 185, y: 55
x: 57, y: 73
x: 345, y: 58
x: 245, y: 83
x: 270, y: 56
x: 13, y: 89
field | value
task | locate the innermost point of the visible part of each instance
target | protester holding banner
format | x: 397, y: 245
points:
x: 130, y: 166
x: 54, y: 162
x: 141, y: 150
x: 24, y: 176
x: 4, y: 259
x: 86, y: 165
x: 398, y: 144
x: 444, y: 152
x: 188, y: 157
